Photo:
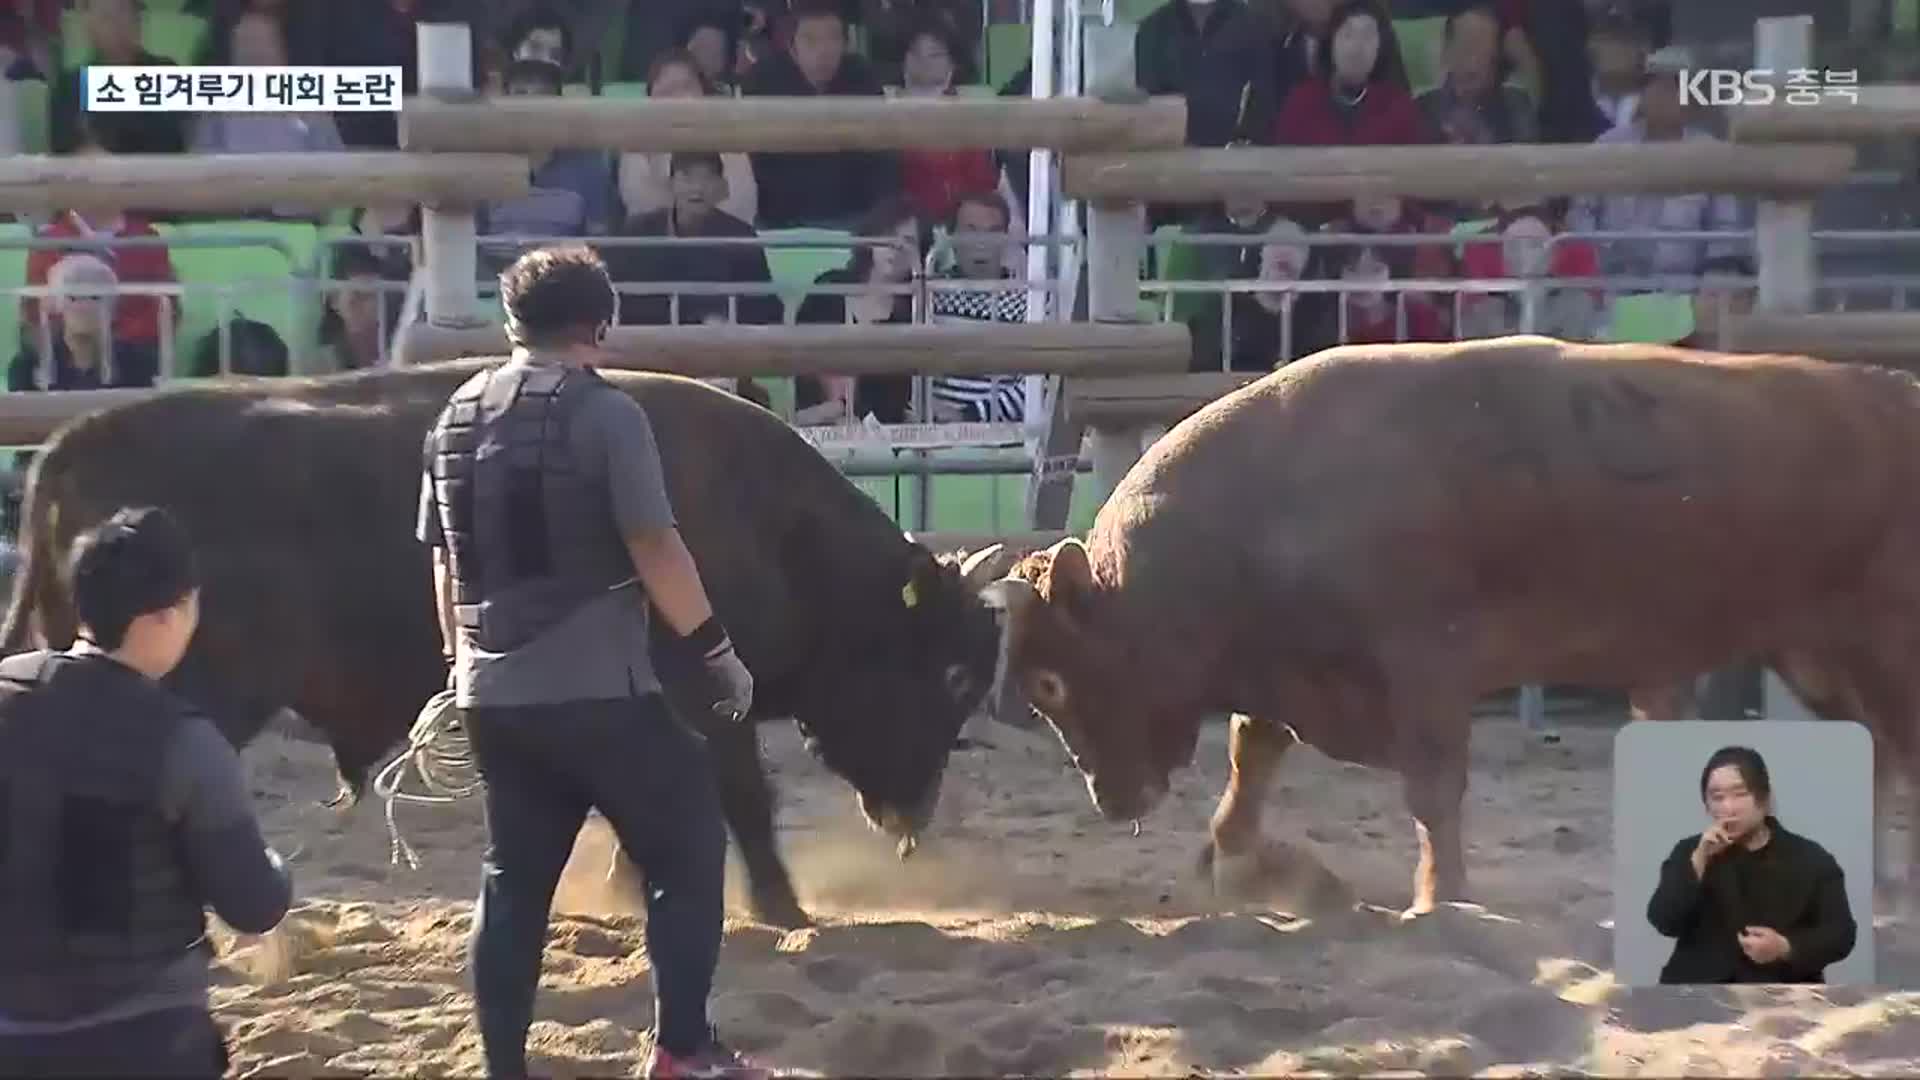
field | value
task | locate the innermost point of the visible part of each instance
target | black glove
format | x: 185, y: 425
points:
x: 706, y: 662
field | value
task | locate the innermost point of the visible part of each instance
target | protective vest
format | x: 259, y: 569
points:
x: 94, y: 893
x: 530, y: 535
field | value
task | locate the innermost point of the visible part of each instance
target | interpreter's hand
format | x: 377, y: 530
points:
x: 1764, y: 945
x: 1713, y: 841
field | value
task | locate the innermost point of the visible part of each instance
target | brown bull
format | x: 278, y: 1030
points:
x: 1352, y: 550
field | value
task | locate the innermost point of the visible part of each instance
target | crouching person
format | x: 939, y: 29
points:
x: 124, y: 814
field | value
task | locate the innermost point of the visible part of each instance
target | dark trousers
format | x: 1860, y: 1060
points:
x: 166, y: 1042
x: 545, y: 767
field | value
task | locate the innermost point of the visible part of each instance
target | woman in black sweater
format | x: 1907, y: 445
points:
x: 1748, y: 901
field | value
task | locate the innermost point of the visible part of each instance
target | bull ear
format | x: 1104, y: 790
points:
x: 1069, y: 579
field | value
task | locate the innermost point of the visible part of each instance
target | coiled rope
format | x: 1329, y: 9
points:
x: 439, y: 755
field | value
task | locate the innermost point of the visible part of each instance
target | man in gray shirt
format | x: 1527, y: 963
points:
x: 544, y: 502
x: 124, y: 814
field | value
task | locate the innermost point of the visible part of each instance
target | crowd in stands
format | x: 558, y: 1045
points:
x: 942, y: 230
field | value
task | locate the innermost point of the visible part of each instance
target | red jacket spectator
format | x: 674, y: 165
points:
x: 935, y: 179
x: 1359, y: 96
x: 136, y: 319
x: 1386, y: 116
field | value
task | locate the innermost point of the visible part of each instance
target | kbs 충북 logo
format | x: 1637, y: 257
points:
x: 1758, y: 86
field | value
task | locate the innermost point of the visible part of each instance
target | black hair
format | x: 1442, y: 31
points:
x: 676, y: 55
x: 681, y: 161
x: 818, y: 9
x: 349, y: 261
x: 557, y: 295
x: 1387, y: 63
x: 710, y: 19
x: 992, y: 200
x: 135, y: 563
x: 540, y: 17
x: 1751, y: 766
x: 882, y: 220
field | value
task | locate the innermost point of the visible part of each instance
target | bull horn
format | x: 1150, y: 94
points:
x: 978, y: 569
x: 1011, y: 599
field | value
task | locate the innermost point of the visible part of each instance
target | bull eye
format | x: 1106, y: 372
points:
x: 958, y: 681
x: 1049, y: 691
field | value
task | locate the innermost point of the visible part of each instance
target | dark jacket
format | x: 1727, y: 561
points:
x: 1791, y: 885
x: 1225, y: 68
x: 831, y: 189
x: 887, y: 397
x: 134, y: 365
x: 719, y: 263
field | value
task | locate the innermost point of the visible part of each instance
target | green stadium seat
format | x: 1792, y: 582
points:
x: 167, y: 5
x: 13, y: 277
x: 795, y: 268
x: 1136, y: 11
x: 613, y: 45
x: 576, y: 90
x: 1175, y: 261
x: 31, y: 99
x: 274, y: 287
x: 623, y: 90
x: 1650, y: 318
x: 1009, y: 48
x: 1906, y: 16
x: 176, y: 35
x: 967, y: 503
x: 1420, y: 41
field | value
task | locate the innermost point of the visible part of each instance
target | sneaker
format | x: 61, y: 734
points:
x: 713, y: 1060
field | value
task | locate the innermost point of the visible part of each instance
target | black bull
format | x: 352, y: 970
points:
x: 301, y: 496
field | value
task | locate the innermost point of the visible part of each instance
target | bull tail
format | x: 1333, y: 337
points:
x: 36, y: 610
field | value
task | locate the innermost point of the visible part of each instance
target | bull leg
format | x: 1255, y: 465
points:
x: 747, y: 801
x: 1255, y: 748
x: 1435, y: 785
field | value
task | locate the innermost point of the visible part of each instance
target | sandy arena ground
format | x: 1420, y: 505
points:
x: 1029, y: 937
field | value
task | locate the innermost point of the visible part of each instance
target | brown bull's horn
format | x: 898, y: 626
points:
x: 979, y: 567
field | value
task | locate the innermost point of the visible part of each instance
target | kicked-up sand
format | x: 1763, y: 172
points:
x: 1029, y: 937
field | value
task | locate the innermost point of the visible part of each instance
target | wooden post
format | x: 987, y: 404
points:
x: 1116, y: 239
x: 1784, y: 254
x: 447, y: 232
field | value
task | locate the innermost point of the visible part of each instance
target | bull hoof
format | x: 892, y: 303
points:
x: 785, y: 915
x: 1203, y: 866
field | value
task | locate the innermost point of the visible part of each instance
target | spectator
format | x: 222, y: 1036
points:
x: 892, y: 26
x: 29, y: 34
x: 1473, y: 105
x: 350, y: 335
x: 541, y: 33
x: 113, y: 38
x: 1371, y: 316
x: 372, y: 33
x: 979, y: 228
x: 573, y: 190
x: 713, y: 40
x: 1217, y: 54
x: 837, y: 398
x: 1617, y: 47
x: 831, y: 190
x: 934, y: 179
x: 655, y: 26
x: 699, y: 186
x: 257, y: 38
x: 1361, y: 98
x: 1262, y: 321
x: 1526, y: 250
x: 1726, y: 291
x: 136, y: 319
x: 77, y: 349
x: 1303, y: 26
x: 1558, y: 32
x: 253, y: 348
x: 645, y: 183
x: 1659, y: 117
